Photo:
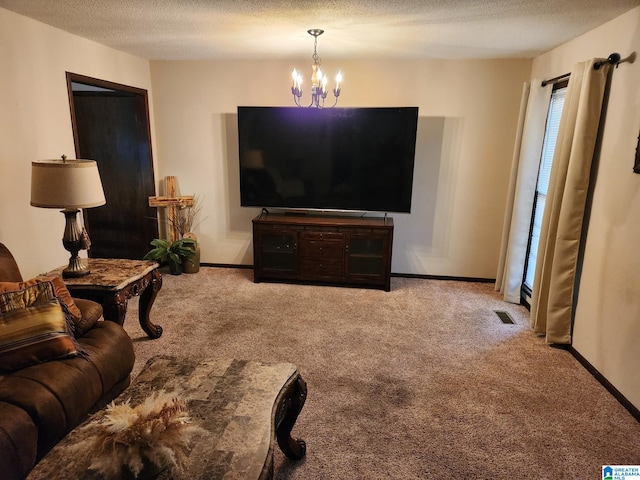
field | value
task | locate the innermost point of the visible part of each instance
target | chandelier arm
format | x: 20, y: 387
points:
x: 296, y: 100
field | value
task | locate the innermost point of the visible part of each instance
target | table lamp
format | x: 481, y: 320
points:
x: 70, y: 185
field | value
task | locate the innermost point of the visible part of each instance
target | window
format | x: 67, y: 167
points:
x: 544, y: 173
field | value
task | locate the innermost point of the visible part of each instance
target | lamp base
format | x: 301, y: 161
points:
x: 76, y: 268
x: 73, y: 241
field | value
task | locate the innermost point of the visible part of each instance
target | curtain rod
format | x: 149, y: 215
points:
x: 555, y: 79
x: 613, y: 59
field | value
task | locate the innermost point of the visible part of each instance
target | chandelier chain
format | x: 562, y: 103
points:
x: 316, y: 58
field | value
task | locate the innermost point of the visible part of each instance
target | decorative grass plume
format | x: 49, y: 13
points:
x: 158, y: 431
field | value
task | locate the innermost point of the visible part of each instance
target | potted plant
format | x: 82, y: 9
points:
x: 173, y: 253
x: 184, y: 222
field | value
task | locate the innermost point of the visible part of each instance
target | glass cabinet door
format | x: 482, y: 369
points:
x: 366, y: 255
x: 278, y: 251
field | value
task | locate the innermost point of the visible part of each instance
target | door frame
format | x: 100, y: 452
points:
x: 96, y: 82
x: 141, y: 98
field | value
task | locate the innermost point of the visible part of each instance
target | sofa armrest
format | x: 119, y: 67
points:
x: 91, y: 313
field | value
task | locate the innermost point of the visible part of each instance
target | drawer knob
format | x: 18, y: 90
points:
x: 320, y: 250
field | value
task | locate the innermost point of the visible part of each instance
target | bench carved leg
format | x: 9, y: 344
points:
x: 288, y: 411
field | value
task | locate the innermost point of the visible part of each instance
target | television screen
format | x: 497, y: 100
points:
x: 343, y: 159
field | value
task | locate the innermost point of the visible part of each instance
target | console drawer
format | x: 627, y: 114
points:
x: 321, y: 236
x: 321, y: 268
x: 321, y: 248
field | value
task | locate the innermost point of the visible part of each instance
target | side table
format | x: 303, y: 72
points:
x: 112, y: 282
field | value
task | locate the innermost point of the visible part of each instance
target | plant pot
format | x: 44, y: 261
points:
x: 175, y: 268
x: 192, y: 265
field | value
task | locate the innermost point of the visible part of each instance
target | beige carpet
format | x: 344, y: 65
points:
x: 423, y: 382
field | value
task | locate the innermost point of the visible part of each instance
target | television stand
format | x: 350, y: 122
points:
x: 327, y: 250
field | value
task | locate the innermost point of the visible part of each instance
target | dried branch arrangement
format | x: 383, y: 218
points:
x: 158, y: 431
x: 184, y: 218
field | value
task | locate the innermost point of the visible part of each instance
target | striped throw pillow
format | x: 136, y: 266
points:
x: 71, y: 310
x: 33, y: 328
x: 26, y: 296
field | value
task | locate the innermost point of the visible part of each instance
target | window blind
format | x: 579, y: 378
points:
x: 544, y: 174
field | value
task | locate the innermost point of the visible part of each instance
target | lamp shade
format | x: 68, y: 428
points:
x: 68, y: 184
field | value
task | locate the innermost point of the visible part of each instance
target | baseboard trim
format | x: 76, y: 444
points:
x: 633, y: 410
x: 444, y: 277
x: 399, y: 275
x: 227, y: 265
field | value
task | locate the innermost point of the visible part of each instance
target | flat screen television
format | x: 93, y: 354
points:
x: 339, y: 159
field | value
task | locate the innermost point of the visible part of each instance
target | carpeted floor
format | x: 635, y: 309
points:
x: 422, y: 382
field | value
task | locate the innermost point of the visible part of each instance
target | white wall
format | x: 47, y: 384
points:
x: 468, y: 112
x: 35, y: 123
x: 607, y: 317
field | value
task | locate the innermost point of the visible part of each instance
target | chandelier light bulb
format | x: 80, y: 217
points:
x: 296, y: 88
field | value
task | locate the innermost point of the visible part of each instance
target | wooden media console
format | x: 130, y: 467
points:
x: 353, y: 251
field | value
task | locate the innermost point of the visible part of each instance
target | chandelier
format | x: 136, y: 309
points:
x: 318, y: 79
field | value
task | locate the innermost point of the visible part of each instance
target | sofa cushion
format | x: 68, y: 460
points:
x: 18, y: 441
x: 110, y: 350
x: 33, y: 328
x: 57, y: 395
x: 91, y: 313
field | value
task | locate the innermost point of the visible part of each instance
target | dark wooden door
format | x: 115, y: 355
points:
x: 111, y: 126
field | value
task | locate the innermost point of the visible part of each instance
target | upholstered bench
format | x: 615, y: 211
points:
x: 242, y: 405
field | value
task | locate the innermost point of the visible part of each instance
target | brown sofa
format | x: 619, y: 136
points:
x: 41, y: 403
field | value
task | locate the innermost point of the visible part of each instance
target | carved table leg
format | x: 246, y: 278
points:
x: 147, y: 297
x: 288, y: 411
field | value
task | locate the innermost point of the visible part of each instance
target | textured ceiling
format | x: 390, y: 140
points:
x: 243, y: 29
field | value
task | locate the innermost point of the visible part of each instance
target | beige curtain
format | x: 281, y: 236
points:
x: 553, y: 288
x: 522, y: 188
